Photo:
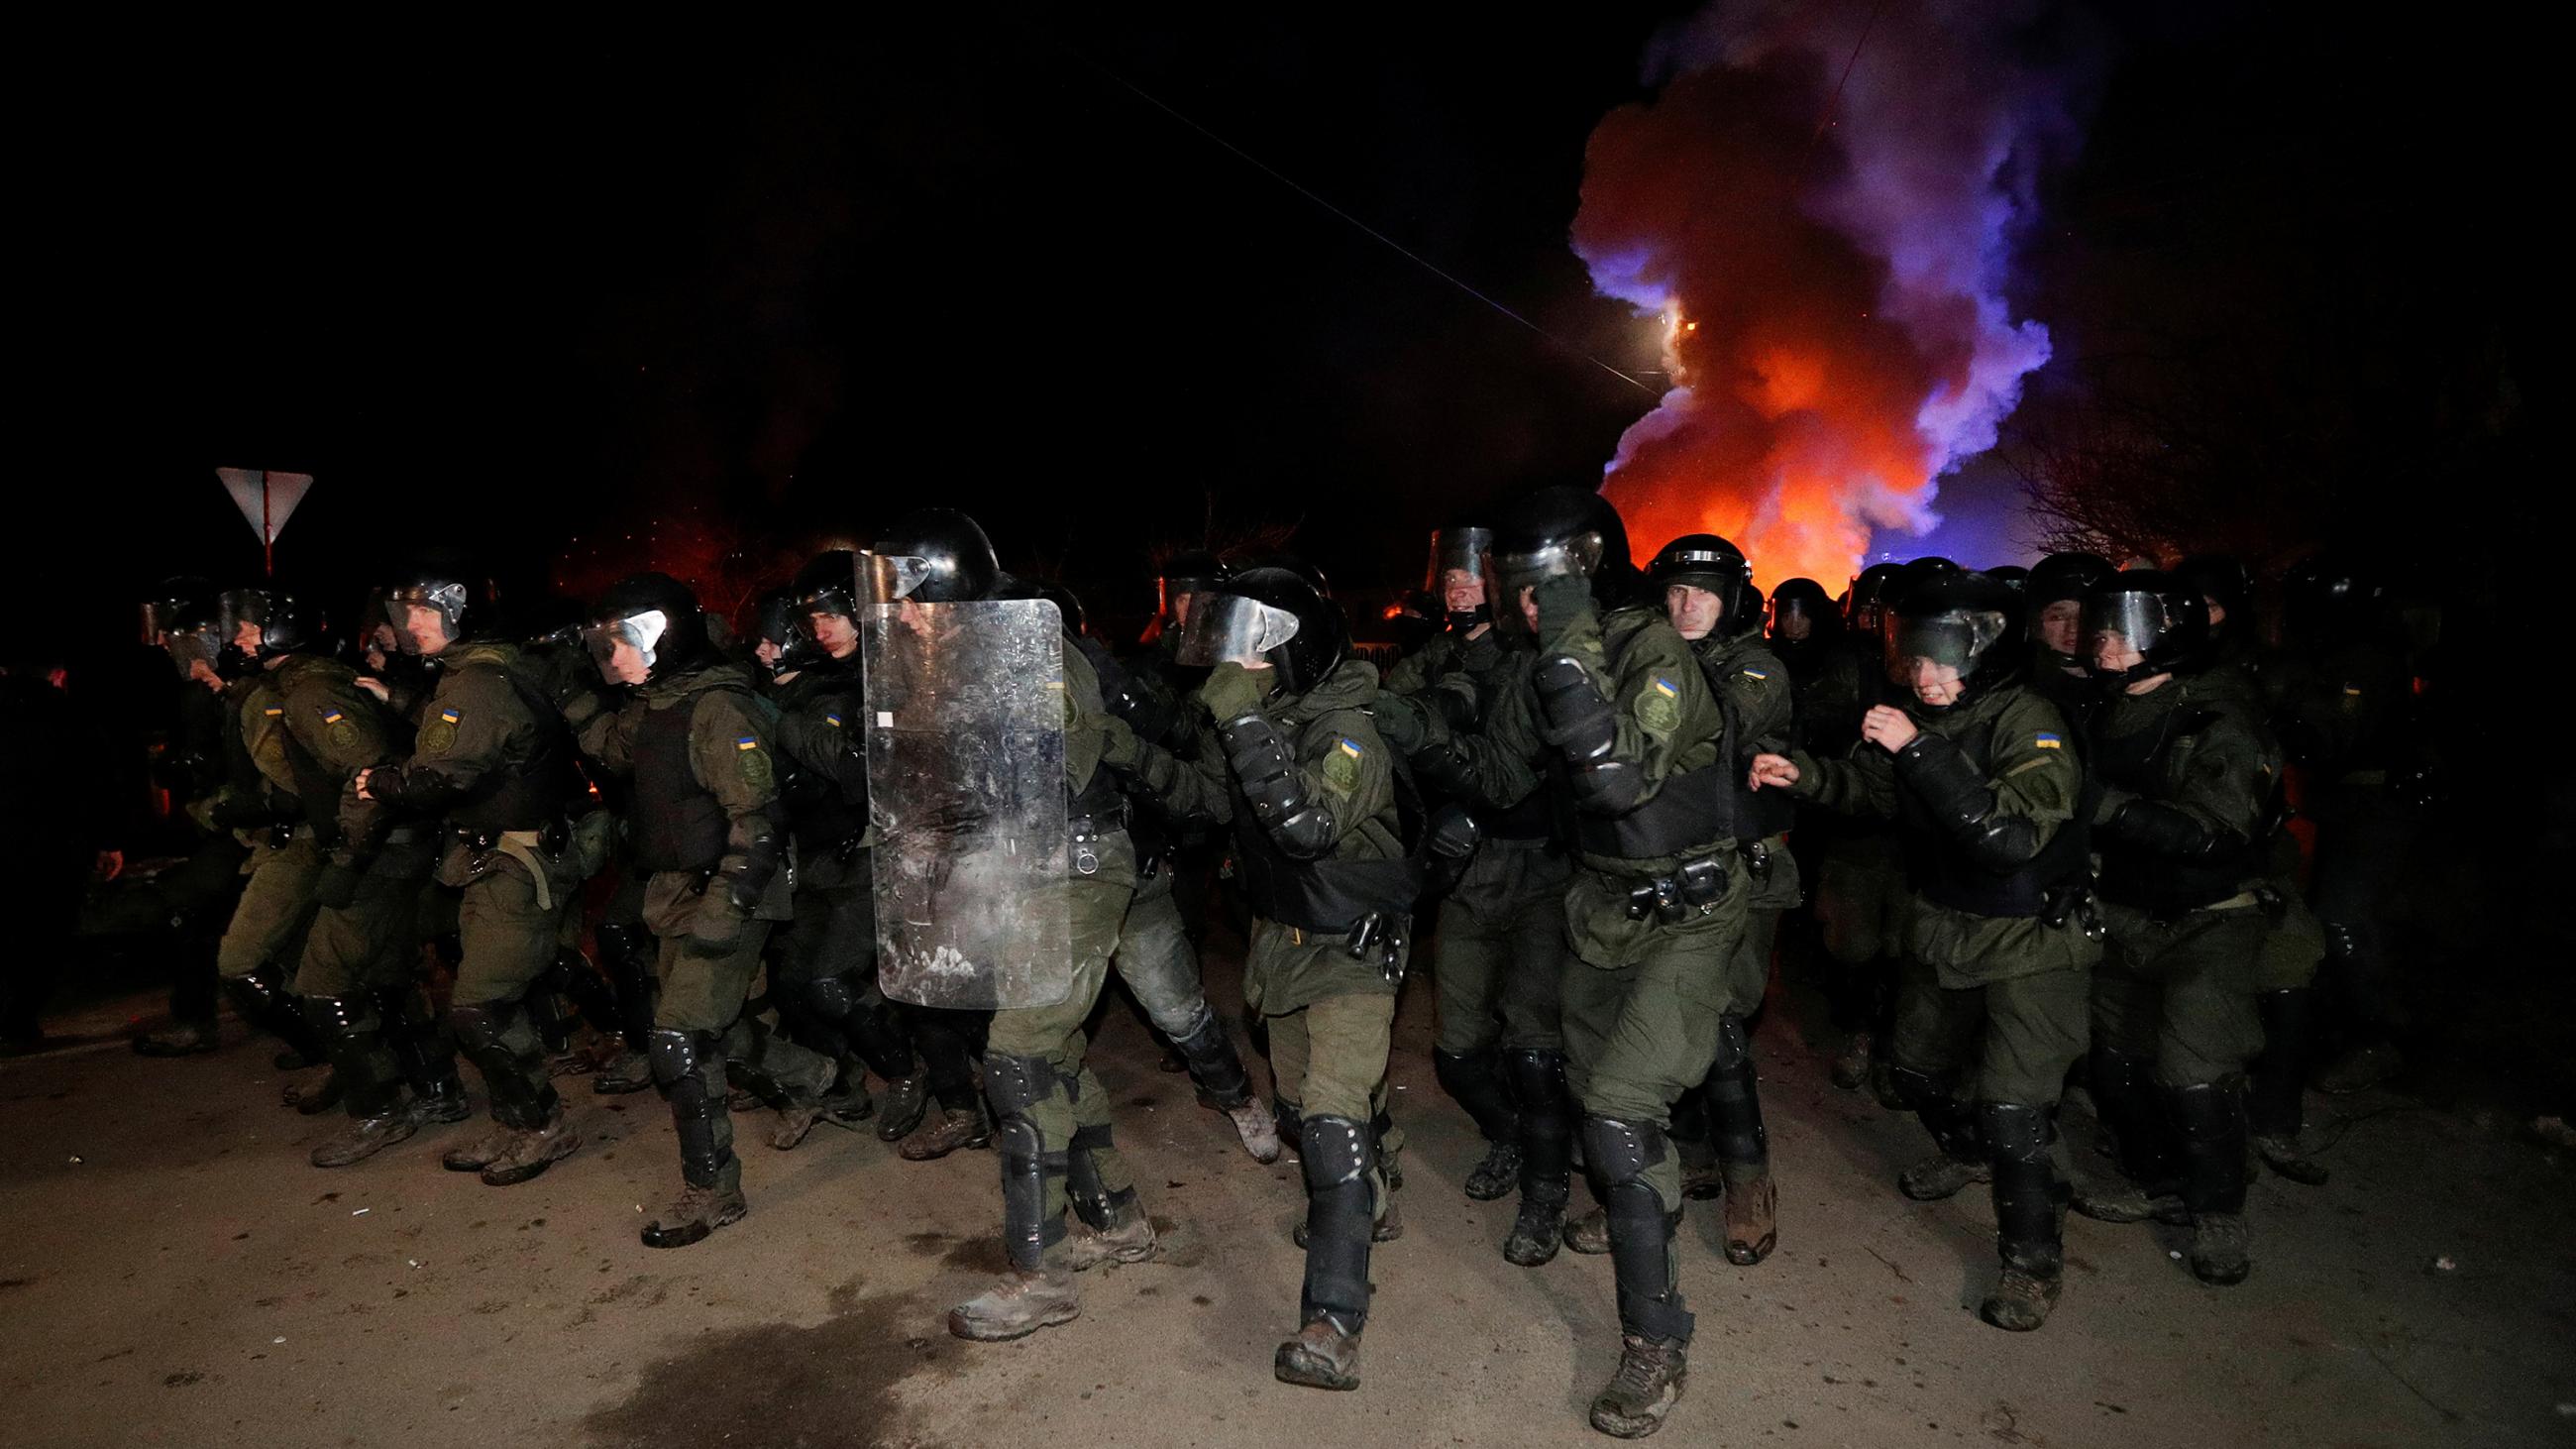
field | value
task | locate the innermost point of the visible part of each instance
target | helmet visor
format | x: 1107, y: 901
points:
x: 1229, y: 628
x: 1459, y: 549
x: 2122, y: 630
x: 643, y: 631
x: 886, y: 577
x: 1953, y: 638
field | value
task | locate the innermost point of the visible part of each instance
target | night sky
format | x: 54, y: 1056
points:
x: 510, y: 295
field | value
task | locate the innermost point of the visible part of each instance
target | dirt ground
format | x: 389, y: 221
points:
x: 172, y: 1272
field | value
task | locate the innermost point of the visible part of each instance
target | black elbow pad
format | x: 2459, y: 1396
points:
x: 1302, y: 828
x: 1607, y: 786
x: 2003, y: 842
x: 1580, y: 722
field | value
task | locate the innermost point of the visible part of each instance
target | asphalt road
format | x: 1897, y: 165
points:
x: 173, y: 1272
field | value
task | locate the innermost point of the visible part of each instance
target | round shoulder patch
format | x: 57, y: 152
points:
x: 1657, y: 712
x: 436, y: 736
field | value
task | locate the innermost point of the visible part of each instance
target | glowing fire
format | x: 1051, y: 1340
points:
x: 1831, y: 298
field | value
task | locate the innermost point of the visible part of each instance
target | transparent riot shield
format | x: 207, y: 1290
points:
x: 966, y: 790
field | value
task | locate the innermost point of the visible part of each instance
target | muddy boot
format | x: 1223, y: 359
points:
x: 1217, y: 1068
x: 1257, y: 1128
x: 1547, y: 1152
x: 953, y: 1128
x: 689, y: 1069
x: 907, y: 1098
x: 1020, y: 1302
x: 1590, y: 1233
x: 804, y: 1100
x: 2211, y: 1117
x: 2029, y: 1209
x: 1476, y: 1082
x: 474, y: 1156
x: 1953, y: 1125
x: 1037, y: 1289
x: 2360, y: 1069
x: 2125, y: 1202
x: 180, y: 1039
x: 1851, y: 1069
x: 1752, y: 1215
x: 425, y: 1057
x: 1333, y: 1303
x: 531, y: 1152
x: 628, y: 1071
x: 2275, y: 1093
x: 364, y: 1137
x: 349, y: 1028
x: 1325, y: 1354
x: 1743, y: 1144
x: 1125, y: 1236
x: 1654, y: 1324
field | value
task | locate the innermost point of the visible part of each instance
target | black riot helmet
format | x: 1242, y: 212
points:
x: 828, y: 585
x: 195, y: 631
x: 777, y: 622
x: 1559, y: 532
x: 2162, y: 616
x: 285, y: 626
x: 2062, y: 576
x: 2011, y: 576
x: 1459, y: 548
x: 934, y: 556
x: 1706, y: 561
x: 2224, y: 581
x: 170, y: 599
x: 657, y: 615
x: 1866, y: 600
x: 1415, y: 619
x: 1802, y: 599
x: 1190, y: 571
x: 1298, y: 564
x: 1068, y: 604
x: 1954, y: 620
x: 457, y: 594
x: 1271, y: 615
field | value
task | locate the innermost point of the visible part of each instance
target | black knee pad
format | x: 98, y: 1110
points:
x: 1015, y: 1084
x: 1734, y: 1047
x: 479, y: 1028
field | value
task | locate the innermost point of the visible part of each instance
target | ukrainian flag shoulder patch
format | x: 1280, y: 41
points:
x: 273, y: 711
x: 448, y: 715
x: 2047, y: 741
x: 1351, y: 747
x: 332, y: 716
x: 746, y: 742
x: 1755, y: 674
x: 833, y: 720
x: 1665, y: 688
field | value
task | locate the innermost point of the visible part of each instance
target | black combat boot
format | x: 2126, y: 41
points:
x: 528, y: 1116
x: 2125, y: 1098
x: 873, y: 1042
x: 261, y: 999
x: 1476, y: 1082
x: 2029, y: 1210
x: 1743, y: 1147
x: 689, y: 1068
x: 1333, y: 1305
x: 424, y: 1056
x: 1547, y: 1155
x: 1953, y: 1125
x: 2275, y: 1097
x: 1037, y: 1290
x: 626, y: 953
x: 1214, y: 1065
x: 1654, y: 1324
x: 2211, y: 1118
x: 1112, y: 1226
x: 354, y: 1035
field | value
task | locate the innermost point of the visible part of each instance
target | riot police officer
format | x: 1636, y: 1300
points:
x: 703, y: 818
x: 494, y: 762
x: 1983, y: 781
x: 2186, y: 775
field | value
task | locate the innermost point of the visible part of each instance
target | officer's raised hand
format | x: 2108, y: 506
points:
x: 1888, y: 727
x: 1772, y: 772
x: 1234, y: 689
